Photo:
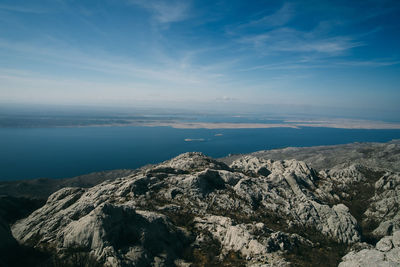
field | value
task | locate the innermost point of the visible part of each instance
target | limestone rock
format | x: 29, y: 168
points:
x: 253, y: 212
x: 193, y: 161
x: 116, y: 234
x: 385, y: 244
x: 385, y: 207
x: 384, y: 254
x: 396, y: 239
x: 254, y: 242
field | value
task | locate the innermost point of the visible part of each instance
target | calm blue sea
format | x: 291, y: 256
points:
x: 68, y: 152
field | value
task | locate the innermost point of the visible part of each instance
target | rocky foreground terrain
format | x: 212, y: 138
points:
x: 323, y: 206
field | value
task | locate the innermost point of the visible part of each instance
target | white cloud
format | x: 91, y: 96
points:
x: 368, y: 63
x: 290, y: 40
x: 62, y: 55
x: 279, y: 18
x: 165, y: 11
x: 320, y: 64
x: 22, y: 9
x: 120, y: 77
x: 257, y: 40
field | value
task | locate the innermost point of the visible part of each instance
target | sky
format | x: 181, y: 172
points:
x: 332, y: 57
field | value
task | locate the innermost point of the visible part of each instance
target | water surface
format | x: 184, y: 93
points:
x: 66, y: 152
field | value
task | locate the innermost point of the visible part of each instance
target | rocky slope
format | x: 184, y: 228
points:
x: 196, y: 211
x: 385, y: 253
x: 376, y: 155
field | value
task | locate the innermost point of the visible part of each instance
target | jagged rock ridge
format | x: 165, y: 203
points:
x: 194, y: 210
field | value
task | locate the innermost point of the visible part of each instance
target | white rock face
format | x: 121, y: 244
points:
x: 255, y: 208
x: 253, y: 241
x: 385, y: 206
x: 385, y: 244
x: 396, y: 239
x: 193, y: 161
x: 336, y: 182
x: 384, y: 254
x: 288, y: 190
x: 116, y: 234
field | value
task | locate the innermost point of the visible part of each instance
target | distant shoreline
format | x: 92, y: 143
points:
x: 218, y: 125
x: 365, y: 125
x: 179, y: 124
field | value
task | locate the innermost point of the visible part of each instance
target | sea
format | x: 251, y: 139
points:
x: 27, y: 153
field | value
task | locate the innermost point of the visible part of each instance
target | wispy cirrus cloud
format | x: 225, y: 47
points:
x: 23, y: 9
x: 165, y: 12
x: 279, y: 18
x: 322, y: 64
x: 368, y: 63
x: 276, y: 34
x: 291, y: 40
x: 258, y: 52
x: 125, y: 77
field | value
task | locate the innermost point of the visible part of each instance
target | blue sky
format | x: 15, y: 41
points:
x: 339, y: 56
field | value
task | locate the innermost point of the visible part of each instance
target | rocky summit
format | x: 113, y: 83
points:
x: 193, y: 210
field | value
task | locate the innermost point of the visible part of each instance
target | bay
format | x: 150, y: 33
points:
x: 27, y: 153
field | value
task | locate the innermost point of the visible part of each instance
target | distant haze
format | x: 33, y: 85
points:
x: 329, y: 58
